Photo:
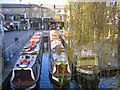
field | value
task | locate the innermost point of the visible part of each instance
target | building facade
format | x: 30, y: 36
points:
x: 23, y: 16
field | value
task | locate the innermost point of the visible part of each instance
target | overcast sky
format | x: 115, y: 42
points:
x: 35, y: 1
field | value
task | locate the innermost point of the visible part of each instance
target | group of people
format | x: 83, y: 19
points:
x: 48, y: 26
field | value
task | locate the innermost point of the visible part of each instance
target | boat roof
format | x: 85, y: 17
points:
x: 54, y: 43
x: 32, y: 59
x: 60, y: 58
x: 54, y: 35
x: 85, y: 53
x: 36, y: 49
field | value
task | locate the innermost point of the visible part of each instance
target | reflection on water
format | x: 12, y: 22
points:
x: 76, y: 82
x: 44, y: 77
x: 84, y: 83
x: 107, y: 82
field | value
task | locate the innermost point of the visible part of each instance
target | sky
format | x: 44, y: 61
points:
x: 59, y: 2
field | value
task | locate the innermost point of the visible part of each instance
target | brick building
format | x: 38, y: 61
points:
x: 23, y: 16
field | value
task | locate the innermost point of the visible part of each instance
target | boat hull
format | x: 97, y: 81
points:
x: 58, y: 80
x: 29, y: 87
x: 87, y: 74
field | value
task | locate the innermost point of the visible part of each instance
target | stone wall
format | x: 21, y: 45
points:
x: 1, y: 63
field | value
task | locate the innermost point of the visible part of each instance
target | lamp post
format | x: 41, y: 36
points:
x: 42, y: 19
x: 42, y: 22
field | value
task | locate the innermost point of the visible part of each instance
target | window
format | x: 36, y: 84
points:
x: 51, y: 10
x: 22, y: 9
x: 88, y: 58
x: 7, y: 9
x: 108, y: 4
x: 21, y: 16
x: 45, y: 10
x: 32, y: 14
x: 37, y: 15
x: 44, y: 15
x: 35, y: 9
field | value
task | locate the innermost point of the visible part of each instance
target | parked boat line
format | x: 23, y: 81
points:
x: 76, y: 82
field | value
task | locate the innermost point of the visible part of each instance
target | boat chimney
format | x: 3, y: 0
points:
x: 17, y: 65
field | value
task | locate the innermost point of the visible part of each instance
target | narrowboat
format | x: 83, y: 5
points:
x: 59, y: 67
x: 86, y: 64
x: 26, y: 72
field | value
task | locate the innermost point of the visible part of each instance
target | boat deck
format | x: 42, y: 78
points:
x: 29, y: 64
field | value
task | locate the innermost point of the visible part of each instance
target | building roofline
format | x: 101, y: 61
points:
x: 6, y: 5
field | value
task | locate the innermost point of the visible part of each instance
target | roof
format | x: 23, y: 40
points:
x: 85, y: 53
x: 32, y: 59
x: 13, y: 13
x: 20, y: 6
x: 54, y: 43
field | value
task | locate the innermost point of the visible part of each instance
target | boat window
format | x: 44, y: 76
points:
x: 27, y: 57
x: 53, y: 50
x: 62, y: 50
x: 87, y: 58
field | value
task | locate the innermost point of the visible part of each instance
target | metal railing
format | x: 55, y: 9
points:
x: 9, y: 52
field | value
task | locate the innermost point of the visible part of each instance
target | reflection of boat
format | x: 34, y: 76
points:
x: 87, y: 64
x: 26, y: 71
x: 84, y: 83
x: 58, y: 62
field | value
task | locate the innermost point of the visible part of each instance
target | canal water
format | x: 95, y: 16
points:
x: 75, y: 83
x: 46, y: 82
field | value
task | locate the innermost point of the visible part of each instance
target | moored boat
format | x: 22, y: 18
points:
x: 26, y: 72
x: 59, y: 67
x: 87, y: 64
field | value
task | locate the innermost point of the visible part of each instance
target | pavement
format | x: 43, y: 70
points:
x: 9, y: 39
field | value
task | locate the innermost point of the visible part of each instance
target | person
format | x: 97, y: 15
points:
x: 16, y: 27
x: 40, y: 26
x: 50, y: 27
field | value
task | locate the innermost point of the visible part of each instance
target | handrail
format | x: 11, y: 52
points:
x: 12, y: 45
x: 9, y: 52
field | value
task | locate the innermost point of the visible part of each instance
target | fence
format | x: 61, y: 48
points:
x: 9, y: 52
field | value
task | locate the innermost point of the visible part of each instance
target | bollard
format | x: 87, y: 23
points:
x: 16, y: 39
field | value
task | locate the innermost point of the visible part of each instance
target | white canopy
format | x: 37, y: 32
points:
x: 54, y: 43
